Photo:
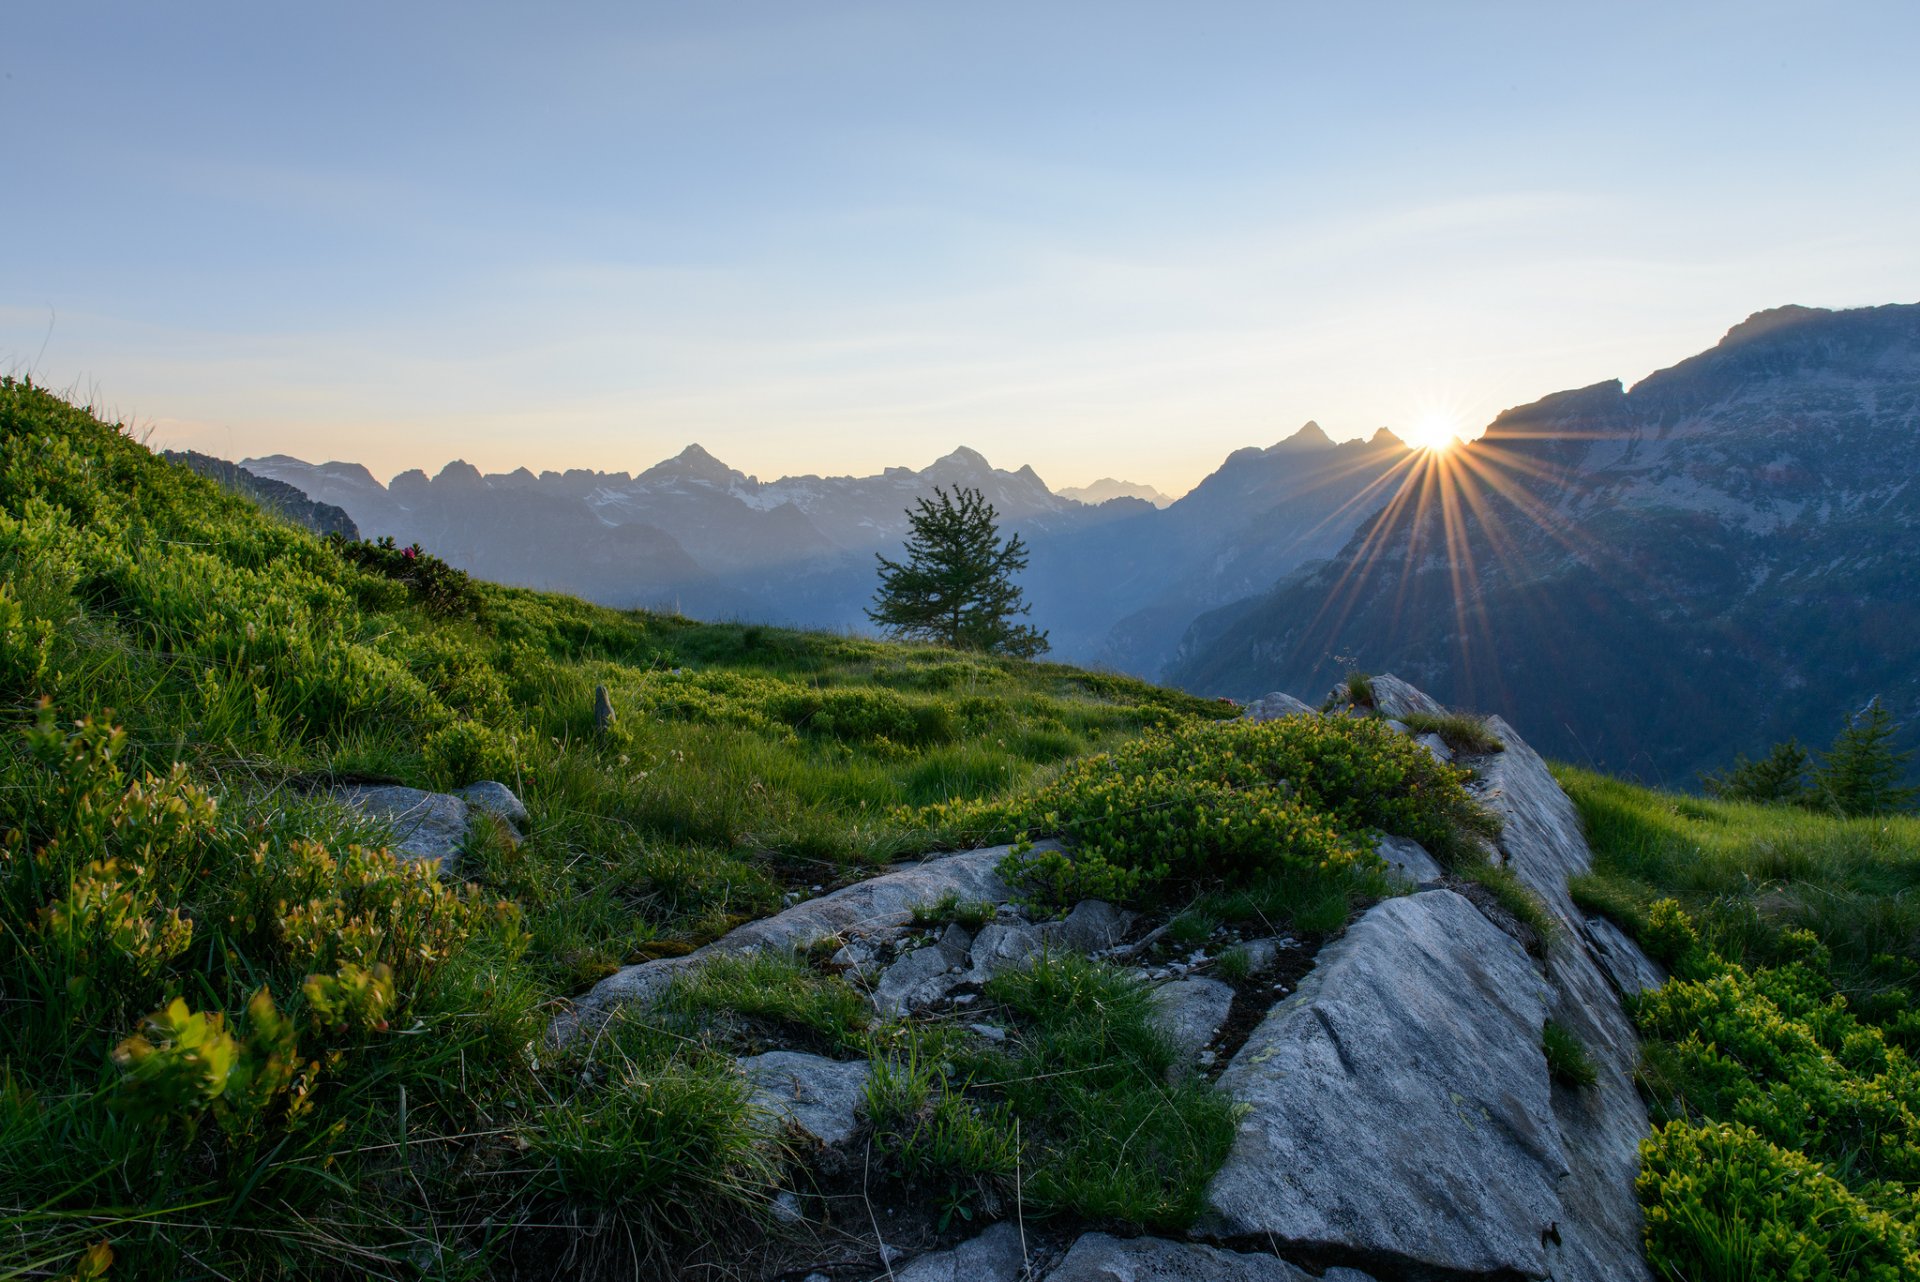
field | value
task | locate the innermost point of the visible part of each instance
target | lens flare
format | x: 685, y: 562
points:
x: 1434, y: 432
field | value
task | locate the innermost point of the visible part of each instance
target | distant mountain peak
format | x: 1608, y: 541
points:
x: 1108, y: 488
x: 1386, y: 437
x: 1773, y: 319
x: 693, y: 463
x: 966, y: 457
x: 1311, y: 436
x: 460, y: 472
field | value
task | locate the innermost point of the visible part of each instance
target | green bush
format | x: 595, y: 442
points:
x: 441, y: 589
x: 1724, y: 1203
x: 1227, y: 803
x: 465, y: 752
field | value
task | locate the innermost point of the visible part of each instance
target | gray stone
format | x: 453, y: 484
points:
x: 1098, y: 1257
x: 1399, y: 727
x: 1092, y: 926
x: 498, y: 800
x: 820, y: 1096
x: 997, y: 1255
x: 880, y: 903
x: 1632, y: 971
x: 426, y: 825
x: 1410, y: 859
x: 1434, y: 744
x: 1398, y: 1103
x: 1263, y: 953
x: 956, y: 941
x: 1191, y: 1011
x: 1003, y: 945
x: 920, y: 978
x: 1276, y: 705
x: 1394, y: 698
x: 1601, y: 1128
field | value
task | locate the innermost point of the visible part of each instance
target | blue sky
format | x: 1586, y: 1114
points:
x: 1104, y: 239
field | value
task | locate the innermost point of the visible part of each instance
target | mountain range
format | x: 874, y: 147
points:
x: 1735, y: 540
x: 1116, y: 582
x: 1724, y: 555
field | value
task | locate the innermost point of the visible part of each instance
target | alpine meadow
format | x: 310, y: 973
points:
x: 995, y: 643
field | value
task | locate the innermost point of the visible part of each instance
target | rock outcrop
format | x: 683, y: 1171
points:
x: 433, y: 826
x: 1398, y: 1116
x: 1399, y: 1104
x: 855, y: 914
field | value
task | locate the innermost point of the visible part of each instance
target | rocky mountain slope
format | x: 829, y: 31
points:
x: 1397, y: 1114
x: 1732, y: 540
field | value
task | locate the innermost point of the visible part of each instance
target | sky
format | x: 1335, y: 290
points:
x: 1105, y: 239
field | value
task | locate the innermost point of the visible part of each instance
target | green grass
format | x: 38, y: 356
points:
x: 1460, y: 731
x: 1567, y: 1059
x: 777, y: 995
x: 1778, y: 1061
x: 1081, y: 1106
x: 353, y: 1081
x: 1749, y: 874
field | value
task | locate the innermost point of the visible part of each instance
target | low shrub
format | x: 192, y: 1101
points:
x: 438, y: 587
x: 1228, y: 803
x: 1723, y: 1202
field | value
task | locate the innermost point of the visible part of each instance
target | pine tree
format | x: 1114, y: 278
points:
x: 956, y: 587
x: 1778, y: 777
x: 1861, y: 773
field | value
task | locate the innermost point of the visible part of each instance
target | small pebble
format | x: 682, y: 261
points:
x: 989, y: 1031
x: 786, y: 1208
x: 966, y: 999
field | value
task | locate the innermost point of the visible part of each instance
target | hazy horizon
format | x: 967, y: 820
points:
x: 1097, y: 240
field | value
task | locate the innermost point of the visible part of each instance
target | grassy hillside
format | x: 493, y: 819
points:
x: 350, y: 1069
x: 243, y: 1040
x: 1779, y: 1060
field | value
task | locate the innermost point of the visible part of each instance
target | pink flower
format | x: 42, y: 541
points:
x: 410, y: 553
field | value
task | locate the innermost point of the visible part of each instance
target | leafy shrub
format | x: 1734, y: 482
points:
x: 1723, y: 1202
x: 466, y: 751
x: 1227, y: 802
x: 437, y: 586
x: 234, y: 972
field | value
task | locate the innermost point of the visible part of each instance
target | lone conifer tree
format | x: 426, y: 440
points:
x: 1861, y: 772
x: 956, y: 587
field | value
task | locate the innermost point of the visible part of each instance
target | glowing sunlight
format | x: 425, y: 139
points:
x: 1434, y: 432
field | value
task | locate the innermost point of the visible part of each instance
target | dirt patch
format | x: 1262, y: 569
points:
x: 1259, y: 993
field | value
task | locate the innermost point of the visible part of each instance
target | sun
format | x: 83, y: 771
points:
x: 1435, y: 432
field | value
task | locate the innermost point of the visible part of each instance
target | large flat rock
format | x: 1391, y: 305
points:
x: 1399, y: 1106
x: 819, y: 1096
x: 1588, y: 965
x: 430, y: 826
x: 879, y: 903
